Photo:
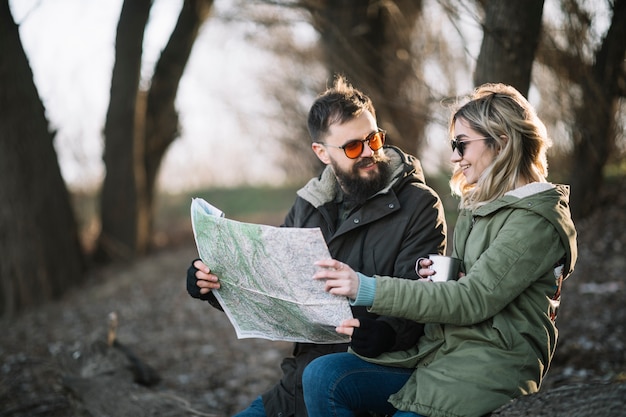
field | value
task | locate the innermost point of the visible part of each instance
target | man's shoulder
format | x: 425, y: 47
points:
x: 415, y: 189
x: 405, y: 164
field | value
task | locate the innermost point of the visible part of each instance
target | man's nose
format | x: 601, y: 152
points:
x: 367, y: 151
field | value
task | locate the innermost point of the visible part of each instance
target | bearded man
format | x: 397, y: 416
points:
x: 376, y: 214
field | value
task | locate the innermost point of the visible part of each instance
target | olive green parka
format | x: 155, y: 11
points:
x: 490, y: 336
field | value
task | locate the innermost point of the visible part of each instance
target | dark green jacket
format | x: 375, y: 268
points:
x: 490, y: 336
x: 385, y: 236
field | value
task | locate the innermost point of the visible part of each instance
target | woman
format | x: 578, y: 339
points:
x: 490, y: 335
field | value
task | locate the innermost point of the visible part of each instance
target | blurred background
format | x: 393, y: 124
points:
x: 116, y: 113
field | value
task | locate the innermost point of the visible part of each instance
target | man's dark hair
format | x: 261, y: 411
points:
x: 338, y: 104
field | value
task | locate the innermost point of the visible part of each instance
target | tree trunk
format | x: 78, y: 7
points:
x: 371, y: 43
x: 511, y: 34
x: 140, y: 127
x: 595, y: 134
x: 123, y: 200
x: 161, y: 124
x: 41, y: 253
x: 600, y: 82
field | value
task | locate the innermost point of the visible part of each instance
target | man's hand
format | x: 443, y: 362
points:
x: 200, y: 281
x: 348, y: 326
x: 372, y: 337
x: 206, y: 280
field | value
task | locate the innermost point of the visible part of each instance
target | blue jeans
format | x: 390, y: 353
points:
x: 255, y: 409
x: 341, y: 383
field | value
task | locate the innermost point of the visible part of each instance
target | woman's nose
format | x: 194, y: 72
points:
x: 455, y: 157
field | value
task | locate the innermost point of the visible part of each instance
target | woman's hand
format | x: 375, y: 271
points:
x: 422, y: 269
x: 340, y: 278
x: 424, y: 272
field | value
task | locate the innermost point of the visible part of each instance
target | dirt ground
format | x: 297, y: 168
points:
x: 203, y: 366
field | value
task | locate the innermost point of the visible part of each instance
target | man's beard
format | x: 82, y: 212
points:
x: 358, y: 188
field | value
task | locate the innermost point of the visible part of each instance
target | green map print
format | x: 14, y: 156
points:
x: 265, y: 274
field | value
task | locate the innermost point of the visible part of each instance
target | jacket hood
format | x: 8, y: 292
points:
x: 404, y: 167
x: 551, y: 201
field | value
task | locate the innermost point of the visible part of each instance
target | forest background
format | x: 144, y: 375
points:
x: 413, y: 58
x: 209, y: 98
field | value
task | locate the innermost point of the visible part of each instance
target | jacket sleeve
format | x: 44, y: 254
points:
x: 523, y: 251
x: 426, y: 234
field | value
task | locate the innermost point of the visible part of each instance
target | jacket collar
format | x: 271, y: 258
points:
x: 528, y: 197
x: 551, y: 201
x: 323, y: 189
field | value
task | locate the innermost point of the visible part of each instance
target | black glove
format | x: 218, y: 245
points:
x: 372, y: 338
x: 192, y: 287
x: 194, y: 290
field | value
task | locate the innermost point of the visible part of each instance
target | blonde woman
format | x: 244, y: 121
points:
x: 491, y: 334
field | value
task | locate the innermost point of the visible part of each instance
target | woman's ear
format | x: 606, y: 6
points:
x: 320, y: 151
x: 505, y: 139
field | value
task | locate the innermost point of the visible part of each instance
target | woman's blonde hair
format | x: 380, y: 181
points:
x: 500, y: 113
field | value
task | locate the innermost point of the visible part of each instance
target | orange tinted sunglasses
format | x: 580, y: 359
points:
x: 354, y: 148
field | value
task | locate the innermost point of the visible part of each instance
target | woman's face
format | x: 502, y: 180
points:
x: 477, y: 156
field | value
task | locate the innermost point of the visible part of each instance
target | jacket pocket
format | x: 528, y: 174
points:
x: 503, y: 332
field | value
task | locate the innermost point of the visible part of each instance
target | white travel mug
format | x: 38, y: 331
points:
x: 446, y: 268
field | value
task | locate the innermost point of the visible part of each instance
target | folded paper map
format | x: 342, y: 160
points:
x: 265, y: 274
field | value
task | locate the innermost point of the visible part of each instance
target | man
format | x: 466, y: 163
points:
x: 376, y: 214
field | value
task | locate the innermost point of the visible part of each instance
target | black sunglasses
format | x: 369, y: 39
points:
x: 460, y: 144
x: 354, y: 148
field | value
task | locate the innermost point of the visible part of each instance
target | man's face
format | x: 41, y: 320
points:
x: 360, y: 177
